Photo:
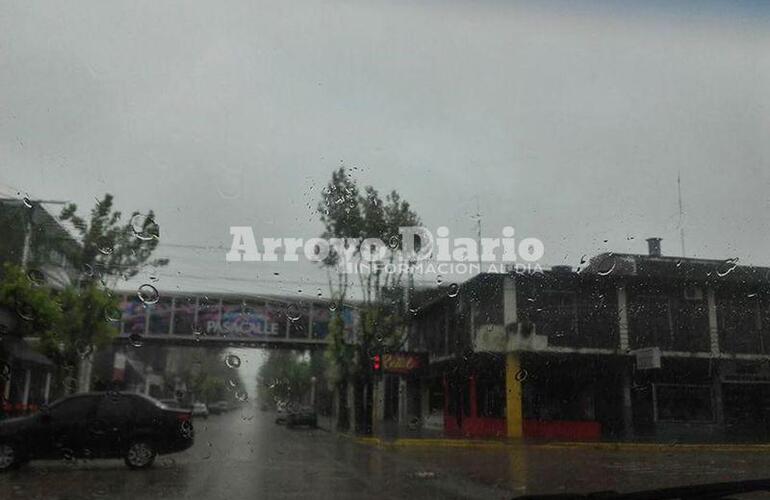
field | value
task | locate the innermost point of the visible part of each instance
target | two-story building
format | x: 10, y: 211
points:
x: 631, y: 346
x: 33, y: 239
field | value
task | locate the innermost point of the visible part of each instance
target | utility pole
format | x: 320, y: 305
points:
x: 681, y: 211
x: 478, y: 231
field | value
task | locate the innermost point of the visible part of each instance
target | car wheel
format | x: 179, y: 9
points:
x: 9, y: 457
x: 140, y: 454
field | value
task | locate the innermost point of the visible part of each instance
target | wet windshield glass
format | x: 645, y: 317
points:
x: 465, y: 249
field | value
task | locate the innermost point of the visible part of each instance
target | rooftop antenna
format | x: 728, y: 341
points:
x: 478, y: 230
x: 681, y: 211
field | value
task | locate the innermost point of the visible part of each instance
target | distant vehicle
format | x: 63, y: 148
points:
x: 281, y: 412
x: 171, y: 403
x: 304, y: 415
x: 200, y: 410
x: 97, y: 425
x: 218, y: 407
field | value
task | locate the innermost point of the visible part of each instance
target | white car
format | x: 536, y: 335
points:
x: 200, y: 410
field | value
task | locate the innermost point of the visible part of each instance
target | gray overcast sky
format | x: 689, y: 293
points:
x: 569, y: 122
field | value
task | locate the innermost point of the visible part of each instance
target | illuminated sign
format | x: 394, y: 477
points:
x: 402, y: 362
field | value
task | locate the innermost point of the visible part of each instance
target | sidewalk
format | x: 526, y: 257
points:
x: 393, y: 436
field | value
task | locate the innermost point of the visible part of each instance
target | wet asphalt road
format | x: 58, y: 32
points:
x: 244, y: 454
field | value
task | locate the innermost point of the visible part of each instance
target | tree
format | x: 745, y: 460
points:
x: 36, y: 308
x: 287, y: 376
x: 210, y: 378
x: 66, y: 323
x: 110, y: 248
x: 346, y: 212
x: 88, y: 321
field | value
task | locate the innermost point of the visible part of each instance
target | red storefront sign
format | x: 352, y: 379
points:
x: 402, y: 362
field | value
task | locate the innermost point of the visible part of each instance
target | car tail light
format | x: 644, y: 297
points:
x: 183, y: 417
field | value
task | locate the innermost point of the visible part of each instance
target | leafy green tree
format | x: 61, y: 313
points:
x: 287, y: 376
x: 347, y: 212
x: 111, y: 247
x: 88, y: 320
x: 209, y: 378
x: 36, y: 309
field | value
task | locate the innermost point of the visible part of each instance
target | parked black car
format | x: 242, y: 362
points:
x: 97, y: 425
x: 302, y: 416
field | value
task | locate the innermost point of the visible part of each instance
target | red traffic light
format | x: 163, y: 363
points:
x: 376, y: 362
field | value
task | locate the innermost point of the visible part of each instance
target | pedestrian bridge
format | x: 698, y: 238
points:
x: 229, y: 319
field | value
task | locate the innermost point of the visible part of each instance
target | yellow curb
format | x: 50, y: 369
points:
x: 368, y: 440
x: 644, y: 447
x: 432, y: 442
x: 449, y: 443
x: 661, y: 447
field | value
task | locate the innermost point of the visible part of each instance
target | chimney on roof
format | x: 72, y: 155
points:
x: 653, y: 247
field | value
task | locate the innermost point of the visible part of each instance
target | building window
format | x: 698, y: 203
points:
x: 649, y: 322
x: 557, y: 316
x: 683, y: 403
x: 739, y: 323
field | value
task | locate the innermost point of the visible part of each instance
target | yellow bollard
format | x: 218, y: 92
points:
x: 513, y: 412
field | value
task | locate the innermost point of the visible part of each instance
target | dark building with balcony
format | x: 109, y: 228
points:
x: 631, y: 346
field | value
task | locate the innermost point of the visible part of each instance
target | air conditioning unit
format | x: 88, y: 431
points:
x: 693, y: 293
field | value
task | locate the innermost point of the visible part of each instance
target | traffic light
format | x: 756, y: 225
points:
x: 376, y: 363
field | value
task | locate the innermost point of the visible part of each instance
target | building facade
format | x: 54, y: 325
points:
x: 632, y: 346
x: 34, y: 240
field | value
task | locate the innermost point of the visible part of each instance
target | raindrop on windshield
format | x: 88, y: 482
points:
x: 27, y: 202
x: 241, y: 395
x: 144, y: 227
x: 453, y: 290
x: 70, y: 384
x: 148, y: 294
x: 88, y: 270
x: 112, y: 314
x: 727, y: 267
x: 83, y: 348
x: 25, y: 312
x: 136, y: 339
x: 36, y: 277
x: 232, y: 361
x: 606, y: 271
x: 104, y: 245
x: 292, y: 312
